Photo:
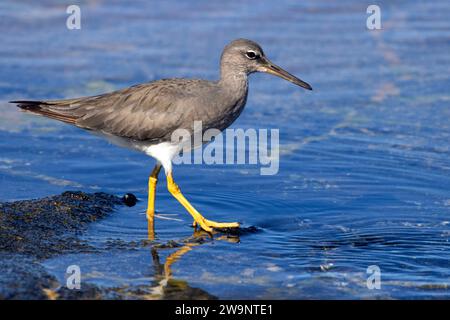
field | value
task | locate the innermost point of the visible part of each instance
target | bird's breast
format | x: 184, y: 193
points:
x: 224, y: 110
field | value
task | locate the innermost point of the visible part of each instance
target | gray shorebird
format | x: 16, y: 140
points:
x: 143, y: 117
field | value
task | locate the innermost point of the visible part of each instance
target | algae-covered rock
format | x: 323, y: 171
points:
x: 34, y: 230
x: 48, y: 226
x: 22, y: 277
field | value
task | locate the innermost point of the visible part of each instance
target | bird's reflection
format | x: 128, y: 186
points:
x: 165, y: 285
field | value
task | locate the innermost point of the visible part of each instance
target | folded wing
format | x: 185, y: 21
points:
x: 144, y: 112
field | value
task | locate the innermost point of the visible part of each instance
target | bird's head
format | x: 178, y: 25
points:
x: 247, y: 56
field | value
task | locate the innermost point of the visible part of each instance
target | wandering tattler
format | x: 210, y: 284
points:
x: 144, y: 116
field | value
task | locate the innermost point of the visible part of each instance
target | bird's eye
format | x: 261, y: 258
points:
x: 251, y: 55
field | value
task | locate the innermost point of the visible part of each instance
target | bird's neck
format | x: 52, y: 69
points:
x: 234, y: 81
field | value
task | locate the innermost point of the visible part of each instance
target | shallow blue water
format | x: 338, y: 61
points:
x: 364, y: 162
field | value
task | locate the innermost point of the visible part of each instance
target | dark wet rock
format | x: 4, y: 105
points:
x: 179, y: 290
x: 22, y: 277
x: 48, y: 226
x: 240, y: 231
x: 129, y: 200
x: 87, y: 292
x: 34, y: 230
x: 168, y: 245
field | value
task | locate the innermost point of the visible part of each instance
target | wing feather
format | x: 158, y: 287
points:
x: 150, y: 111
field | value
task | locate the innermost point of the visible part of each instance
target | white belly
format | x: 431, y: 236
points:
x: 163, y: 152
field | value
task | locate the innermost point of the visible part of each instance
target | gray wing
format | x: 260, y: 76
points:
x: 150, y: 111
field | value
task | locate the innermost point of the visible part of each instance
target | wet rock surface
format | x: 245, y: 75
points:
x: 22, y: 277
x: 34, y: 230
x: 44, y: 227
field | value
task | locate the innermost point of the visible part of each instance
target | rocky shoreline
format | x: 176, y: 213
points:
x: 34, y: 230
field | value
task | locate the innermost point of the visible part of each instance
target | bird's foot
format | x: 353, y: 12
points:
x: 215, y: 225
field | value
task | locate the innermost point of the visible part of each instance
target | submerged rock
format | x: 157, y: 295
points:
x: 34, y: 230
x: 129, y: 199
x: 22, y: 277
x: 48, y: 226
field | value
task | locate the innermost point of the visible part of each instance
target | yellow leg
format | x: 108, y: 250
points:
x: 174, y: 257
x: 152, y: 180
x: 204, y: 223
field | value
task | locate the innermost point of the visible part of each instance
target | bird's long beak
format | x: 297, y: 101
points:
x: 269, y: 67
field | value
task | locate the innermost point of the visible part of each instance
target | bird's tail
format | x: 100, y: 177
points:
x: 45, y: 109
